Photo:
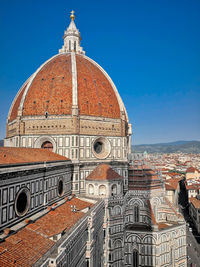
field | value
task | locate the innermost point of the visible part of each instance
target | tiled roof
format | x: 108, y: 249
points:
x: 12, y: 155
x: 13, y: 114
x: 103, y: 172
x: 59, y: 219
x: 192, y: 169
x: 169, y: 187
x: 162, y: 226
x: 195, y: 202
x: 29, y: 244
x: 172, y: 183
x: 193, y: 187
x: 51, y: 90
x: 96, y: 96
x: 23, y: 248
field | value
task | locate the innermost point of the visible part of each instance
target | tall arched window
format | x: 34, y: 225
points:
x: 118, y: 253
x: 135, y: 258
x: 75, y: 46
x: 91, y: 189
x: 102, y: 190
x: 114, y: 189
x: 136, y: 213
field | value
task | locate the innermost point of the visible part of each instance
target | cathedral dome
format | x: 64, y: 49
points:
x: 69, y: 84
x: 64, y: 81
x: 68, y: 95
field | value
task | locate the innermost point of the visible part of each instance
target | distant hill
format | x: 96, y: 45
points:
x: 1, y: 142
x: 172, y: 147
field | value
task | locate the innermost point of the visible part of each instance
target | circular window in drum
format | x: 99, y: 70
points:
x: 101, y: 148
x: 22, y: 202
x: 60, y: 188
x: 98, y: 146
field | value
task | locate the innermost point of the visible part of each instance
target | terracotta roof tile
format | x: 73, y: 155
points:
x: 195, y: 202
x: 103, y: 172
x: 12, y: 155
x: 173, y: 183
x: 192, y: 170
x: 29, y: 244
x: 50, y: 225
x: 51, y: 89
x: 96, y: 96
x: 23, y: 248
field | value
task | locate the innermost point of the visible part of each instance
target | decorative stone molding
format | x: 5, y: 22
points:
x: 40, y: 140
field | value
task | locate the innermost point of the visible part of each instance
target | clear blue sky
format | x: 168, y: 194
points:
x: 151, y: 50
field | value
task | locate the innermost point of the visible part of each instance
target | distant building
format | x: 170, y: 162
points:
x: 192, y: 173
x: 194, y: 210
x: 172, y: 188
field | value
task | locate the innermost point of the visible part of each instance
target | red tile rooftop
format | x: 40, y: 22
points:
x: 192, y: 170
x: 195, y: 202
x: 193, y: 187
x: 173, y: 183
x: 29, y: 244
x: 59, y: 219
x: 12, y: 155
x: 103, y: 172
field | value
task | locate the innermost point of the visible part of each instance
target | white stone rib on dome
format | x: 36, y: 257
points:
x: 121, y: 104
x: 31, y: 80
x: 18, y: 93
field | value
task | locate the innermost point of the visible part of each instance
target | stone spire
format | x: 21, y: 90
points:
x: 72, y: 38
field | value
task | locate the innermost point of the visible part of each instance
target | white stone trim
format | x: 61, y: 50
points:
x: 74, y: 81
x: 18, y: 93
x: 121, y: 104
x: 40, y: 140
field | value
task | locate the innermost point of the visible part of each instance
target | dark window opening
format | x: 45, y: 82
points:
x: 22, y: 202
x: 60, y: 188
x: 135, y: 258
x: 136, y: 214
x: 69, y: 45
x: 98, y: 146
x: 47, y: 145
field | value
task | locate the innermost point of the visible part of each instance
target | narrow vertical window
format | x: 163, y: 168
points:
x: 74, y: 46
x: 69, y: 45
x: 135, y: 258
x: 136, y: 214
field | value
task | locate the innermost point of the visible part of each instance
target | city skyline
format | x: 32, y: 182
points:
x: 150, y: 50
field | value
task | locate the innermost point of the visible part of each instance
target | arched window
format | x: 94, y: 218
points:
x: 118, y: 253
x: 102, y: 190
x: 117, y: 210
x: 114, y: 189
x: 135, y: 258
x: 75, y: 46
x: 136, y: 213
x: 91, y: 189
x: 47, y: 145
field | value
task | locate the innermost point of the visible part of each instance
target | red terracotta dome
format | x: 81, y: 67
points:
x: 68, y: 84
x: 50, y: 89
